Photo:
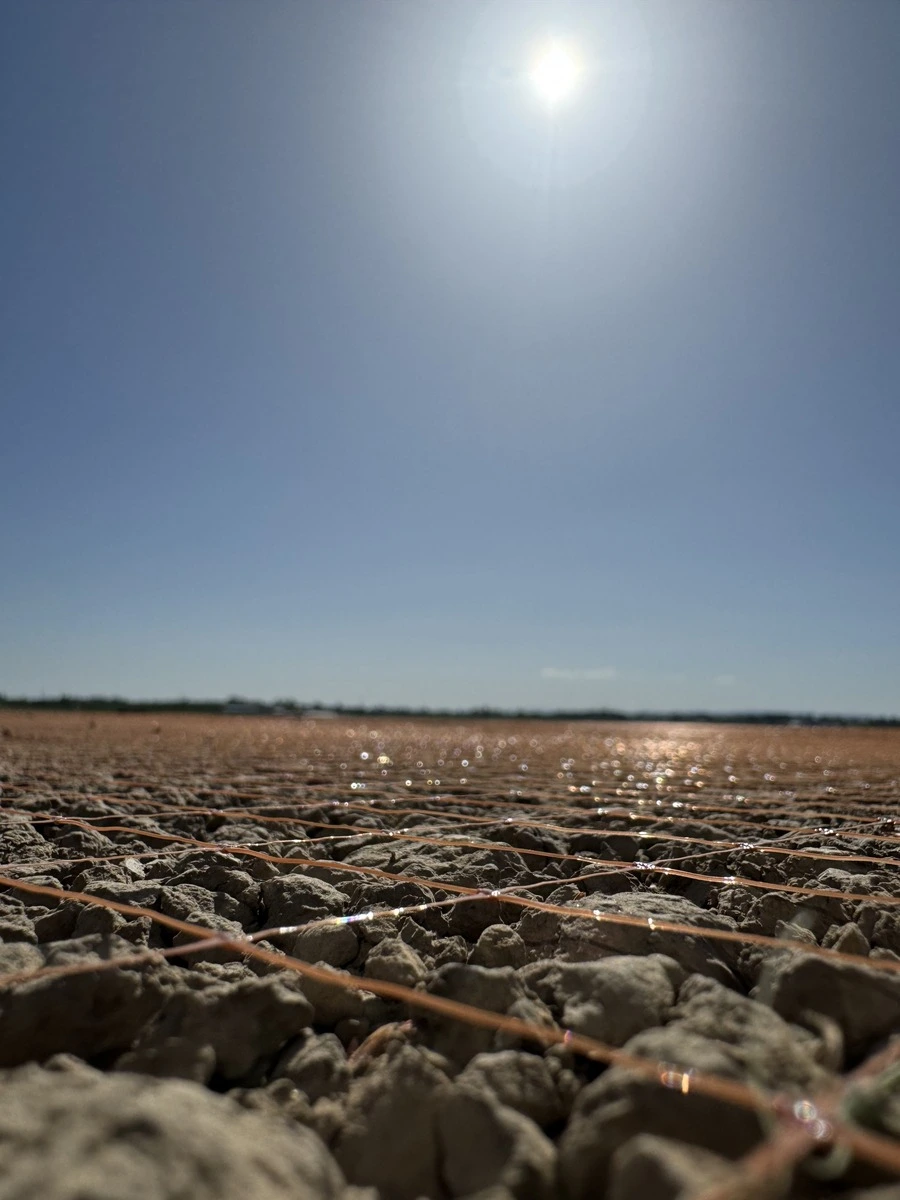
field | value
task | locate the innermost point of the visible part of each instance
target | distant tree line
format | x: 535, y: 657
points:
x: 240, y: 705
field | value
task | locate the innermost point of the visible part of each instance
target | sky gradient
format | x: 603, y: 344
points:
x: 335, y: 366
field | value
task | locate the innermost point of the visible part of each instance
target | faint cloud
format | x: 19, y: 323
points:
x: 578, y: 672
x: 725, y: 680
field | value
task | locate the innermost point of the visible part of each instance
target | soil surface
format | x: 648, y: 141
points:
x: 550, y: 960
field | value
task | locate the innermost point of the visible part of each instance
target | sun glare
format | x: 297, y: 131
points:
x: 555, y: 73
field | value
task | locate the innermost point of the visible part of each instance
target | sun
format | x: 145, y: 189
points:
x: 555, y: 73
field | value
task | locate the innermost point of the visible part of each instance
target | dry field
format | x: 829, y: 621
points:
x: 359, y: 960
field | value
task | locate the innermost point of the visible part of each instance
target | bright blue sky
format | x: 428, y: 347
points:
x: 334, y: 365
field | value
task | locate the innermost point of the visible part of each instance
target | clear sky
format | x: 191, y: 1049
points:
x: 335, y: 364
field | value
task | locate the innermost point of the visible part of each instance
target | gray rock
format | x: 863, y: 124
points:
x: 81, y: 1135
x: 837, y: 880
x: 20, y: 842
x: 611, y: 999
x: 431, y: 948
x: 86, y: 1015
x: 537, y: 1086
x: 764, y: 1047
x: 485, y: 869
x: 219, y: 873
x: 233, y: 971
x: 389, y: 1138
x: 141, y: 894
x: 18, y: 927
x: 791, y: 931
x: 189, y: 898
x: 241, y: 1023
x: 317, y: 1065
x: 483, y: 1145
x: 172, y: 1058
x: 584, y: 940
x: 129, y: 871
x: 886, y: 931
x: 212, y: 922
x: 470, y: 919
x: 395, y: 962
x: 761, y: 912
x: 56, y: 924
x: 380, y: 924
x: 864, y: 1003
x: 93, y: 919
x: 499, y: 946
x: 412, y: 1133
x: 334, y: 1004
x: 279, y: 1097
x: 335, y: 945
x: 296, y: 899
x: 650, y: 1166
x: 619, y: 1105
x: 539, y: 928
x: 19, y: 955
x: 566, y: 894
x: 848, y: 939
x: 385, y: 894
x: 499, y: 991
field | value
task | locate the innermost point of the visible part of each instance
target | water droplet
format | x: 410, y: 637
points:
x: 674, y: 1077
x: 809, y: 1117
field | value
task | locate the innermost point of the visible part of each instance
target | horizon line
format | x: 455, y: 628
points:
x: 236, y: 705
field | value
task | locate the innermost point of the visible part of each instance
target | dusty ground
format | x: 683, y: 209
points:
x: 552, y: 879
